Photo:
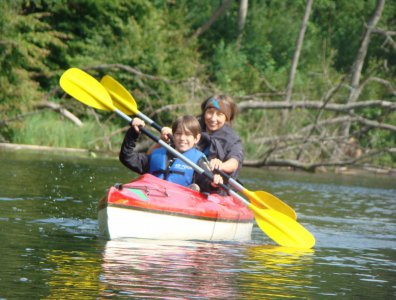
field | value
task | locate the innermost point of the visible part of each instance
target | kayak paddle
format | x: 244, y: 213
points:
x: 261, y: 197
x: 280, y: 228
x: 124, y: 101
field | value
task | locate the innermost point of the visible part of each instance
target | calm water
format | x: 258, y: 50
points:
x: 50, y: 247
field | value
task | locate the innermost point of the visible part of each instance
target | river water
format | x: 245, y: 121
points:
x: 50, y: 247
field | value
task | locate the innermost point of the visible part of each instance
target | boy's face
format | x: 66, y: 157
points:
x: 184, y: 140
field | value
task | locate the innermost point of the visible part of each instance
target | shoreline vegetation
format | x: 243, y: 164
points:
x: 352, y: 170
x: 315, y: 81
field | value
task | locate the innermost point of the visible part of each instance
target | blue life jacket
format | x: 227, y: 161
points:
x: 178, y: 172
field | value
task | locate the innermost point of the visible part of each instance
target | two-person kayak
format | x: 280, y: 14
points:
x: 151, y: 208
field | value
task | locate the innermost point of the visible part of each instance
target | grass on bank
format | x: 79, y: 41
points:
x: 51, y: 129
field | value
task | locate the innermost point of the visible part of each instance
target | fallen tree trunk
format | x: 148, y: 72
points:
x: 255, y: 104
x: 62, y: 110
x: 43, y: 105
x: 311, y: 167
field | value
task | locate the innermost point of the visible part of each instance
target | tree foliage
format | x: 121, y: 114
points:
x: 153, y: 49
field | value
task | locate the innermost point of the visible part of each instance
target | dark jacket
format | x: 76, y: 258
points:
x: 223, y: 144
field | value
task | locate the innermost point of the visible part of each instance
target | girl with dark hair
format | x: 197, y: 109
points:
x: 220, y: 143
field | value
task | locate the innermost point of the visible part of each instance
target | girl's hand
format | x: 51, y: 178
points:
x: 136, y: 123
x: 215, y: 163
x: 217, y: 179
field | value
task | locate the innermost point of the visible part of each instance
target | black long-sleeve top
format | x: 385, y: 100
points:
x: 140, y: 162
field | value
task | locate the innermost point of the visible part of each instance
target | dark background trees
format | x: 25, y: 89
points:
x: 171, y: 53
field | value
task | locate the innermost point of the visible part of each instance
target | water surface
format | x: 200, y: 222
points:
x: 50, y: 247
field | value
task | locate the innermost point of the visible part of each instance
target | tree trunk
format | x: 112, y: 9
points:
x: 296, y: 57
x: 298, y: 51
x: 357, y: 67
x: 243, y: 9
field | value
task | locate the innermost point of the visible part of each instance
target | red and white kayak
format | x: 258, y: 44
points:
x: 151, y: 208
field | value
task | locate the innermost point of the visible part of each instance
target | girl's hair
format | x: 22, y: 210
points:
x: 187, y: 123
x: 226, y: 103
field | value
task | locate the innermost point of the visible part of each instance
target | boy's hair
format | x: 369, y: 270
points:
x: 187, y: 123
x: 223, y: 103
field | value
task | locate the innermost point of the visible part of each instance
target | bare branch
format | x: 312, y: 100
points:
x: 251, y: 104
x: 312, y: 167
x: 384, y: 82
x: 298, y: 136
x: 173, y: 107
x: 388, y: 36
x: 384, y: 32
x: 46, y: 104
x: 18, y: 117
x: 134, y: 71
x: 327, y: 99
x: 63, y: 111
x: 213, y: 18
x: 373, y: 123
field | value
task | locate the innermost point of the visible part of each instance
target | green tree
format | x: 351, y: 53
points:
x: 24, y: 47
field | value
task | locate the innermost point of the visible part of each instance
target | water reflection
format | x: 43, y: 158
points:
x: 72, y: 274
x: 183, y: 269
x: 277, y: 272
x: 167, y: 269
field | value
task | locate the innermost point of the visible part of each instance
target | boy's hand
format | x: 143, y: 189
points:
x: 166, y: 134
x: 137, y: 123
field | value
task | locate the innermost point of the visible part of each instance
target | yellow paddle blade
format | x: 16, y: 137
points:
x: 266, y: 200
x: 86, y: 89
x: 122, y: 99
x: 282, y: 229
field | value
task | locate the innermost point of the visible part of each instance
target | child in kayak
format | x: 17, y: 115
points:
x: 186, y: 134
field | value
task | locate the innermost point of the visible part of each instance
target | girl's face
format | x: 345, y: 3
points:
x: 214, y: 119
x: 184, y: 140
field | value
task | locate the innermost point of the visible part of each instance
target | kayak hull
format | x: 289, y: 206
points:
x: 150, y: 208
